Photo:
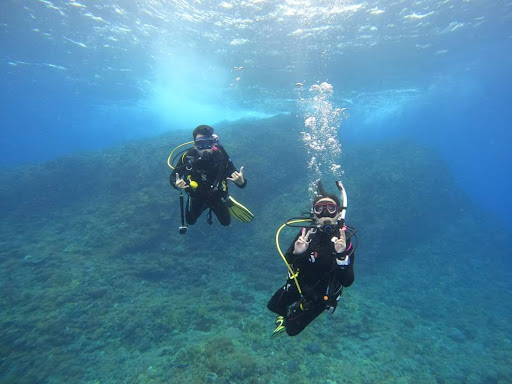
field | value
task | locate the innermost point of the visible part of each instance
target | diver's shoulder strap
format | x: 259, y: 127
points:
x: 223, y: 150
x: 222, y: 167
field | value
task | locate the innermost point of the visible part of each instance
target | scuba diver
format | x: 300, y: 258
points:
x: 202, y: 171
x: 320, y: 263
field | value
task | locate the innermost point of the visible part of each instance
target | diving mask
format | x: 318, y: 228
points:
x: 325, y: 209
x: 205, y: 142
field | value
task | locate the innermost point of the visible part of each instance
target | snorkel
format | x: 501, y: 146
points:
x: 344, y: 202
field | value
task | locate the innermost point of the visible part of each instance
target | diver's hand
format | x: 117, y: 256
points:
x: 302, y: 243
x: 340, y: 243
x: 237, y: 177
x: 180, y: 183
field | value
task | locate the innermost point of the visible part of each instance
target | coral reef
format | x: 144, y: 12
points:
x: 113, y: 294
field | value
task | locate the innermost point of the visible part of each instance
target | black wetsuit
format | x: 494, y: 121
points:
x: 209, y: 172
x: 319, y: 277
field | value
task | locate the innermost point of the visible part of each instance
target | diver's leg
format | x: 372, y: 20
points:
x: 283, y: 298
x: 194, y: 209
x: 299, y: 318
x: 222, y: 212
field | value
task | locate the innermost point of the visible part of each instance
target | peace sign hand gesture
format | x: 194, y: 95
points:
x: 302, y: 243
x: 340, y: 243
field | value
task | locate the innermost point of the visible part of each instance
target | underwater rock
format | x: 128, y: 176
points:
x: 233, y: 333
x: 97, y: 293
x: 457, y: 335
x: 292, y: 366
x: 313, y: 348
x: 152, y: 273
x: 211, y: 377
x: 35, y: 259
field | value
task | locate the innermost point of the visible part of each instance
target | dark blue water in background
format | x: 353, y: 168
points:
x: 464, y: 117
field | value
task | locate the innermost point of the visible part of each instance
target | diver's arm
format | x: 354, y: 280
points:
x: 340, y: 276
x: 172, y: 178
x: 180, y: 170
x: 291, y: 257
x: 340, y: 242
x: 346, y: 275
x: 345, y: 265
x: 230, y: 171
x: 243, y: 177
x: 233, y: 175
x: 299, y: 247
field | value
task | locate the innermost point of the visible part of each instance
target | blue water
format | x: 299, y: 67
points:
x: 79, y: 76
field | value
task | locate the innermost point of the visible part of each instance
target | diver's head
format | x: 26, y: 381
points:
x: 205, y: 141
x: 326, y: 214
x: 326, y: 210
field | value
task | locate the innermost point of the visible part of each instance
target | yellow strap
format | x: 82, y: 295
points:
x: 179, y: 146
x: 293, y: 274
